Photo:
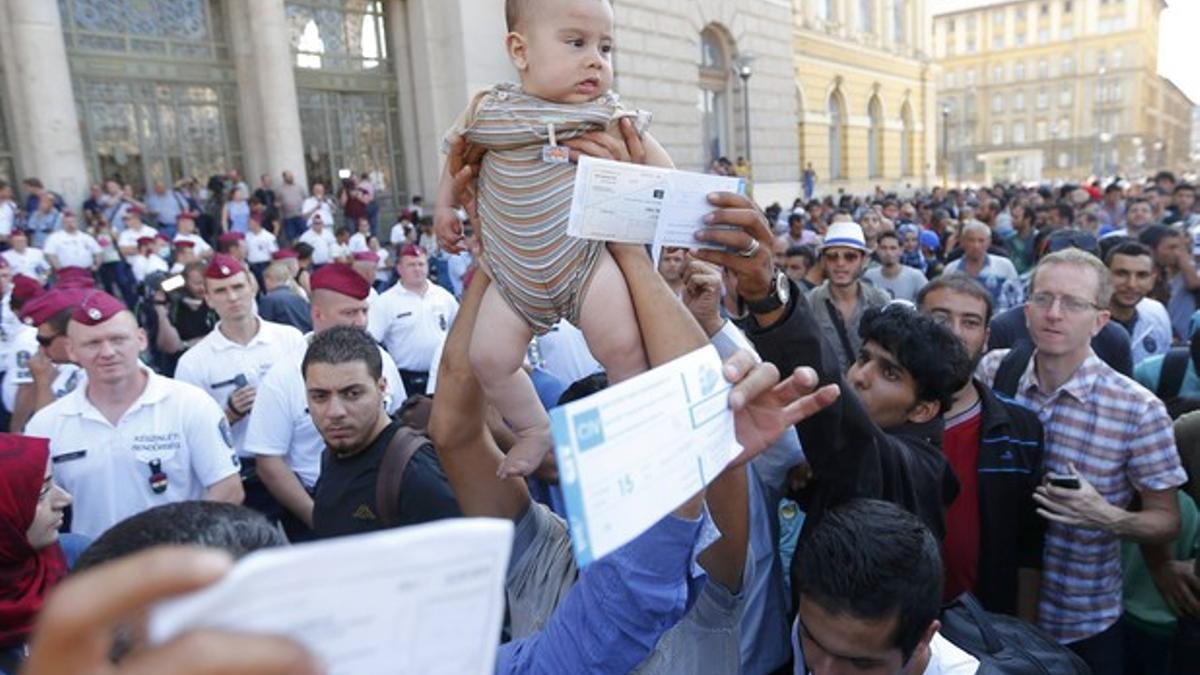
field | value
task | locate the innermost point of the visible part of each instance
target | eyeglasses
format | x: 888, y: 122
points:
x: 47, y: 340
x: 1069, y: 303
x: 844, y: 256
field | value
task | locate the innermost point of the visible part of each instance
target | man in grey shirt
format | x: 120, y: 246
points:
x: 900, y: 281
x: 290, y: 197
x: 839, y: 303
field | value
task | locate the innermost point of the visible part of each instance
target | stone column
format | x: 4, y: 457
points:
x: 38, y: 66
x: 887, y: 24
x: 399, y: 46
x: 278, y: 109
x: 249, y: 118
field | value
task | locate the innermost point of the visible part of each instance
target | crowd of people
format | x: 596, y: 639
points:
x: 968, y: 417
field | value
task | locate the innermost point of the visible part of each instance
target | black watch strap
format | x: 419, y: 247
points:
x: 770, y: 303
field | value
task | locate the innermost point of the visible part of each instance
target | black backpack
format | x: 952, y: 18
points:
x: 1170, y: 379
x: 1011, y: 368
x: 1006, y: 645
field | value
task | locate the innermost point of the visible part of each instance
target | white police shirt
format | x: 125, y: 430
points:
x: 143, y: 266
x: 259, y: 246
x: 565, y: 355
x: 411, y: 326
x: 280, y: 424
x: 72, y: 249
x: 31, y: 262
x: 129, y: 238
x: 220, y: 366
x: 200, y: 246
x: 110, y: 469
x: 323, y: 244
x: 10, y: 325
x: 22, y: 348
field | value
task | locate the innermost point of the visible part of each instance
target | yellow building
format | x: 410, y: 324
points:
x: 1056, y: 89
x: 866, y: 97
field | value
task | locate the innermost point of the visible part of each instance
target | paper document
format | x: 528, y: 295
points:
x: 635, y: 204
x: 424, y: 599
x: 631, y: 454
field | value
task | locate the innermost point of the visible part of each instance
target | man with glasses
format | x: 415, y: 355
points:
x: 1106, y: 437
x: 839, y: 304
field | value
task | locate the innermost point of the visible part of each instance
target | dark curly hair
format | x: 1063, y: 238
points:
x: 934, y: 357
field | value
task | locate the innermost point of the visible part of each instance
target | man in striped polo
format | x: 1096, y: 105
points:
x: 1107, y: 436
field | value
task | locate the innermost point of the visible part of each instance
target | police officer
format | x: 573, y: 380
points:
x: 412, y: 318
x: 131, y: 439
x: 230, y: 361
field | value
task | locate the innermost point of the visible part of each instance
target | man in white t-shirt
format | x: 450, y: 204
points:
x: 260, y: 244
x: 900, y: 281
x: 8, y: 211
x: 317, y: 204
x: 24, y: 259
x: 413, y: 317
x: 231, y: 361
x: 134, y: 230
x: 320, y: 237
x: 869, y: 584
x: 51, y: 372
x: 72, y: 247
x: 185, y: 224
x: 281, y: 432
x: 1131, y: 266
x: 147, y: 261
x: 131, y: 439
x: 358, y: 240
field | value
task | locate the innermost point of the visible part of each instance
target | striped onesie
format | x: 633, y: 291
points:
x: 524, y: 202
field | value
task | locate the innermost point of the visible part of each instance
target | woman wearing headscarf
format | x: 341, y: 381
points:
x: 31, y: 559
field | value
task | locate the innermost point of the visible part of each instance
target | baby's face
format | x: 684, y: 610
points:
x: 568, y: 54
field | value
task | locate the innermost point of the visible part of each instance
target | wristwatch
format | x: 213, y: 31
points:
x: 777, y: 295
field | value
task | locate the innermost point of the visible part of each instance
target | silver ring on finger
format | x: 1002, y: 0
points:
x: 750, y: 250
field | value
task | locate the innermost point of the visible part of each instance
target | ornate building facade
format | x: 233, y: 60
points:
x: 158, y: 90
x: 1057, y: 89
x: 865, y: 88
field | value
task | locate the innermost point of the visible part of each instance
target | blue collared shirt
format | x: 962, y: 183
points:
x: 618, y: 609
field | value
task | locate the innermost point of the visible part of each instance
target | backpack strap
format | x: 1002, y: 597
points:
x: 1012, y: 367
x: 836, y: 317
x: 1174, y: 367
x: 404, y: 444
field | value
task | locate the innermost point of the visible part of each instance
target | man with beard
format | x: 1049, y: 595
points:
x: 993, y: 544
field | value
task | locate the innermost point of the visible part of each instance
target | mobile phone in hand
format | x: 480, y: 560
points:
x: 1068, y: 481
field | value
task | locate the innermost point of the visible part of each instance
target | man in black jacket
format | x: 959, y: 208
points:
x: 882, y: 442
x: 994, y: 537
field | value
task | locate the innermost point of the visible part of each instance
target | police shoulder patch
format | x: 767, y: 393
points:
x: 226, y: 431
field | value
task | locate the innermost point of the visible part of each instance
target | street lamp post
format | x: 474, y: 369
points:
x: 945, y: 146
x: 743, y: 68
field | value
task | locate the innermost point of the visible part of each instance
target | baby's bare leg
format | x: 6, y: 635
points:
x: 609, y: 323
x: 497, y: 352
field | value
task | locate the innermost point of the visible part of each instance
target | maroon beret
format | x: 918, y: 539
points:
x: 222, y: 267
x: 341, y: 278
x: 283, y: 254
x: 43, y: 308
x: 18, y: 232
x: 185, y: 215
x: 96, y: 307
x: 412, y: 250
x: 230, y: 237
x: 366, y: 256
x: 134, y: 211
x: 142, y: 241
x: 83, y: 283
x: 26, y: 288
x: 73, y: 272
x: 185, y: 243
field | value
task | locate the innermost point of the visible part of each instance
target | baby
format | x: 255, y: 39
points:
x: 562, y: 50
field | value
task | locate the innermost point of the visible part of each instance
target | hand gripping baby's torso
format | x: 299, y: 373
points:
x: 524, y: 201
